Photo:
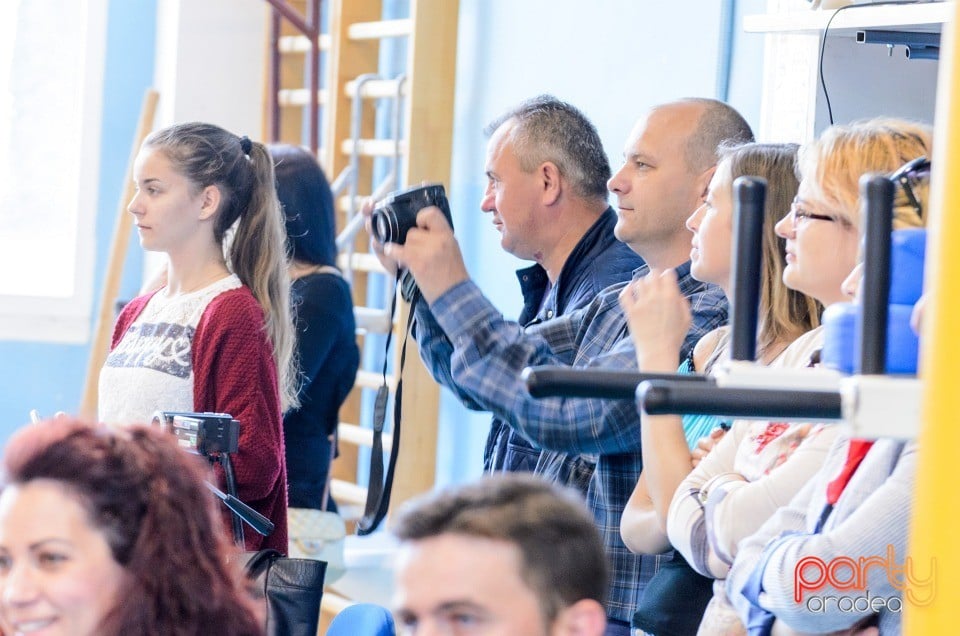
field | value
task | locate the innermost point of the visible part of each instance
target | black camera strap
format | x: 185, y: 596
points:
x: 378, y: 485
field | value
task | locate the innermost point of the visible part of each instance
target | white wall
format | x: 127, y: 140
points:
x: 210, y: 66
x: 211, y: 63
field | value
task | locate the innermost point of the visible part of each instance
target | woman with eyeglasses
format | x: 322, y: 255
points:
x: 657, y: 317
x: 857, y: 507
x: 759, y: 466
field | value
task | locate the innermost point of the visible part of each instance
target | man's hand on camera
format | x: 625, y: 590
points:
x: 431, y: 253
x: 366, y: 208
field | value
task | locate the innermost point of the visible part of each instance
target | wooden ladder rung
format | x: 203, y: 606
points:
x: 373, y: 320
x: 343, y: 202
x: 376, y: 88
x: 345, y: 492
x: 300, y: 96
x: 359, y: 436
x: 374, y: 379
x: 360, y: 263
x: 374, y: 147
x: 301, y: 43
x: 380, y: 29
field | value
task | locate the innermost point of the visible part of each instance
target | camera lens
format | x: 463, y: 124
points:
x: 381, y: 228
x: 384, y: 226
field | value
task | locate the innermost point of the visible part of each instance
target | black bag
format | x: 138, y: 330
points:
x: 674, y: 600
x: 292, y: 589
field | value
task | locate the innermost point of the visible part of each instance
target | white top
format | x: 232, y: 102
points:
x: 757, y: 467
x: 868, y: 522
x: 151, y: 368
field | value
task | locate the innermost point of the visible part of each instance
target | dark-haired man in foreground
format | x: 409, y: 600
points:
x: 509, y: 555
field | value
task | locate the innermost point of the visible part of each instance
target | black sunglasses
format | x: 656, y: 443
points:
x: 906, y: 174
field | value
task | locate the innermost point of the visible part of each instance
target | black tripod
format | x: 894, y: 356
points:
x: 242, y: 513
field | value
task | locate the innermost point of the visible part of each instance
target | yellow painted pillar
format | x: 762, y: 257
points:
x: 934, y: 530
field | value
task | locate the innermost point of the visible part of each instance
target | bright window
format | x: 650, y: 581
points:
x: 51, y: 80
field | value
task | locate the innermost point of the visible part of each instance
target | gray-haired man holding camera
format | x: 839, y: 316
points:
x: 546, y: 192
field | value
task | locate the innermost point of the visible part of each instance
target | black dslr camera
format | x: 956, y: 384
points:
x: 396, y: 214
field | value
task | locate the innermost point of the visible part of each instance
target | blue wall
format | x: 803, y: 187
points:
x: 611, y: 58
x: 50, y: 377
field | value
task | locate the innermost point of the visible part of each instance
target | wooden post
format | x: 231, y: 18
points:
x: 118, y: 254
x: 431, y: 76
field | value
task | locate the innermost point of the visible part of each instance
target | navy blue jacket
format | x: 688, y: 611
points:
x: 596, y: 262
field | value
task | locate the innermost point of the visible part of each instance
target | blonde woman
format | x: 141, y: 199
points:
x: 759, y: 466
x: 218, y: 335
x: 856, y: 507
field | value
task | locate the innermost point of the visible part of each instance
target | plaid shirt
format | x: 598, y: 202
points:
x: 470, y: 348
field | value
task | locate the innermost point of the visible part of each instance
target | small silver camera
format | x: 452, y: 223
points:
x: 206, y: 434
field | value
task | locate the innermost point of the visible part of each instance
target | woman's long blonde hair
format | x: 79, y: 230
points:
x: 243, y: 171
x: 834, y: 163
x: 785, y: 314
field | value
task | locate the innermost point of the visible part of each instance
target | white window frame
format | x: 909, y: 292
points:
x: 68, y: 319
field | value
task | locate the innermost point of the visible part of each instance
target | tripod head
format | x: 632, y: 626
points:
x: 215, y: 436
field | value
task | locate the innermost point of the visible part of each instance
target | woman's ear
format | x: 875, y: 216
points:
x: 209, y: 202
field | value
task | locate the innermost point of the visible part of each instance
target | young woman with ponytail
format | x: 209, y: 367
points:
x: 106, y: 532
x: 218, y: 336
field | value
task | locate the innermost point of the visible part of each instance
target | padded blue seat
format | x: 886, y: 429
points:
x: 362, y: 619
